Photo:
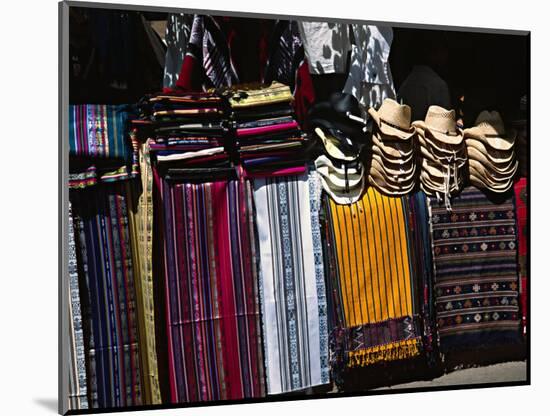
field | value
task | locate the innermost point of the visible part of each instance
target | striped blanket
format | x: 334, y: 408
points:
x: 108, y: 295
x: 212, y: 311
x: 292, y: 282
x: 476, y: 276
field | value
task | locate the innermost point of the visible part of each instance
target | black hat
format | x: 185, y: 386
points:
x: 334, y: 113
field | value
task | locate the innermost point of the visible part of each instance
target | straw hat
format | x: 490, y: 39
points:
x: 490, y: 130
x: 441, y: 125
x: 376, y: 150
x: 377, y: 180
x: 397, y: 181
x: 489, y: 177
x: 337, y: 177
x: 479, y: 183
x: 500, y: 169
x: 437, y: 184
x: 393, y: 119
x: 393, y: 149
x: 438, y: 147
x: 403, y: 172
x: 495, y: 156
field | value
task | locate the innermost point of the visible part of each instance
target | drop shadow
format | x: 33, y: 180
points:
x: 47, y: 403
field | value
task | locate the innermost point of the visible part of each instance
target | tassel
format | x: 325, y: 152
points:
x: 389, y: 352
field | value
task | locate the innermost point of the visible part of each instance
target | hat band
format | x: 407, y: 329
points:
x: 394, y: 126
x: 445, y: 132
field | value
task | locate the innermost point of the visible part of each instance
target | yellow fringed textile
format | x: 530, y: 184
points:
x: 389, y: 352
x: 375, y: 280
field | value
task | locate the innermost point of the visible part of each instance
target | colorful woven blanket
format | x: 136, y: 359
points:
x: 476, y: 276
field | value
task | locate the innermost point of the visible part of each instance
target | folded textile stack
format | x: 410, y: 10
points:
x: 443, y: 153
x: 99, y: 147
x: 393, y: 165
x: 491, y: 156
x: 269, y: 140
x: 337, y: 124
x: 189, y: 133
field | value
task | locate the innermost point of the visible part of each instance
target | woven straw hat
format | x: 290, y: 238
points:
x: 488, y: 177
x: 441, y: 125
x: 490, y: 130
x: 377, y: 180
x: 403, y: 172
x: 341, y: 197
x: 495, y: 156
x: 393, y: 149
x: 500, y: 169
x: 438, y: 148
x: 393, y: 119
x: 376, y: 150
x: 397, y: 181
x: 399, y: 168
x: 479, y: 183
x: 437, y: 184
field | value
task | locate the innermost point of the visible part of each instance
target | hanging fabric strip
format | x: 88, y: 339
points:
x: 520, y: 191
x: 140, y: 215
x: 78, y: 390
x: 293, y: 293
x: 107, y: 283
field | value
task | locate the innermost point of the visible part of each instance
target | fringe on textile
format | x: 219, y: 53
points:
x: 389, y: 352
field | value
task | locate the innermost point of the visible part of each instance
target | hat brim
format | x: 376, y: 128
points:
x: 376, y: 150
x: 340, y: 197
x: 439, y: 151
x: 337, y: 177
x: 502, y: 169
x: 392, y: 181
x: 489, y: 177
x: 388, y: 189
x: 332, y: 148
x: 502, y: 143
x: 432, y: 183
x: 349, y: 129
x: 448, y: 139
x: 495, y: 156
x: 388, y: 130
x: 479, y: 183
x: 393, y: 149
x: 403, y: 174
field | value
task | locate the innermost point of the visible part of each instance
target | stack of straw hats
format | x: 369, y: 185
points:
x: 442, y: 153
x: 393, y: 164
x: 491, y: 157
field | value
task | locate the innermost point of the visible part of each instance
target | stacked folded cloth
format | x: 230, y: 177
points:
x: 269, y: 141
x: 393, y: 163
x: 189, y: 134
x: 100, y: 148
x: 491, y: 157
x: 442, y: 154
x: 339, y: 128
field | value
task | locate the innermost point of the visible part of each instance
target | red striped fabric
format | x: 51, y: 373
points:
x: 212, y: 311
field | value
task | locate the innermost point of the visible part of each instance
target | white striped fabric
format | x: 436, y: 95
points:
x: 292, y: 287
